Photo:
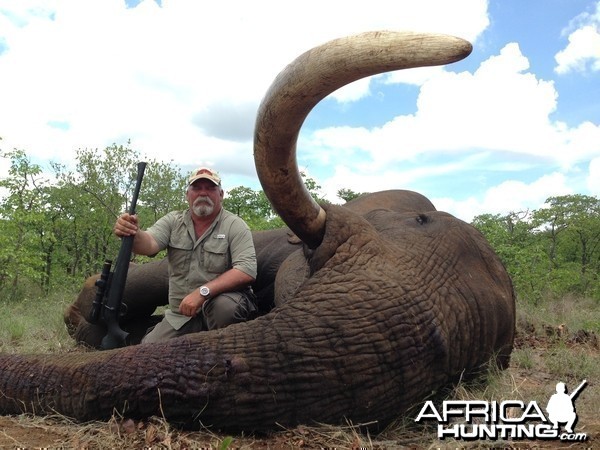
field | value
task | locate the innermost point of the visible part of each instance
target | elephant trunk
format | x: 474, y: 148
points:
x: 306, y: 81
x: 257, y: 375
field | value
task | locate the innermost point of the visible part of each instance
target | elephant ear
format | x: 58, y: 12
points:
x: 304, y: 263
x: 306, y: 81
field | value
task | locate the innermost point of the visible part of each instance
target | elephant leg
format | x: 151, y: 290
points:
x: 89, y: 334
x: 146, y: 289
x: 81, y: 330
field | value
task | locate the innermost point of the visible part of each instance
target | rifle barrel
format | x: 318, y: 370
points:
x: 115, y: 336
x: 577, y: 389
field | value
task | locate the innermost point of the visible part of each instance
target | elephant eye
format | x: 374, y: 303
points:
x: 422, y: 219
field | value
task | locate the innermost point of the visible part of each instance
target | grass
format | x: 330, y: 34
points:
x: 556, y: 341
x: 570, y: 312
x: 569, y: 363
x: 567, y: 334
x: 35, y: 325
x: 523, y: 358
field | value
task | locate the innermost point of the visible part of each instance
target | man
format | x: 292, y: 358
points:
x: 560, y: 407
x: 212, y: 260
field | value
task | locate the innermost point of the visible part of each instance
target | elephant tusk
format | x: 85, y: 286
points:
x: 306, y: 81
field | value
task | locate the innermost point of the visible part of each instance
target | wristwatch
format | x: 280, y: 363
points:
x: 204, y: 291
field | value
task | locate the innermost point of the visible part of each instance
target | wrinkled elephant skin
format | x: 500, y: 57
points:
x: 381, y: 309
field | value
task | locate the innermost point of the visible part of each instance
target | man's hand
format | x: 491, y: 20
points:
x: 143, y: 242
x: 126, y: 225
x: 192, y: 304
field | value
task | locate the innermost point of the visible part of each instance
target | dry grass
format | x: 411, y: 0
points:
x: 556, y: 342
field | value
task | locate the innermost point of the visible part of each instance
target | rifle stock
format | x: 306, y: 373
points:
x: 111, y: 285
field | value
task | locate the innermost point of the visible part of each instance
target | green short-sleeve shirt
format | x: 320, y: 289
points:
x: 193, y: 262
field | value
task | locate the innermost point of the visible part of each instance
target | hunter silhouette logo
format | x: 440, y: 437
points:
x: 508, y: 419
x: 561, y: 408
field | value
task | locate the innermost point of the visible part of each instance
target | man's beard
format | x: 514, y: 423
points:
x: 203, y: 206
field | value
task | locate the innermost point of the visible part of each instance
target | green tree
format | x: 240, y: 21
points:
x: 98, y: 191
x: 314, y: 189
x: 101, y: 187
x: 163, y: 190
x: 253, y: 207
x: 554, y: 250
x: 348, y: 194
x: 512, y: 238
x: 52, y: 233
x: 22, y: 223
x: 571, y: 226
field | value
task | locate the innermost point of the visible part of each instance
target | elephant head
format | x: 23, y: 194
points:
x: 382, y: 306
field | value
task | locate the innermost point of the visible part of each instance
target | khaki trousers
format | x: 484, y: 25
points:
x: 217, y: 312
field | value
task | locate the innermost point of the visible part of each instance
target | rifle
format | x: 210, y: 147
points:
x: 111, y: 285
x: 578, y: 389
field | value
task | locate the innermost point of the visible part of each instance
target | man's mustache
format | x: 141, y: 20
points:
x: 203, y: 200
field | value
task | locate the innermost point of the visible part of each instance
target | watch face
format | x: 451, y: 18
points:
x: 204, y: 291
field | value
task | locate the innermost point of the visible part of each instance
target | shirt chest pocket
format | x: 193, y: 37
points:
x: 216, y: 255
x: 180, y: 255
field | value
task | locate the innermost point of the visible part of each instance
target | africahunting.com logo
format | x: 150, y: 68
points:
x: 509, y: 419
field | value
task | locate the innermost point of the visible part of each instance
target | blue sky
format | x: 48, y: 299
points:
x: 514, y: 123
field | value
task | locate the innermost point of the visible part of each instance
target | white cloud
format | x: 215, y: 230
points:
x: 500, y: 107
x: 509, y: 196
x: 517, y: 196
x: 353, y: 91
x: 77, y: 74
x: 582, y: 53
x: 417, y: 76
x: 593, y: 180
x: 366, y: 178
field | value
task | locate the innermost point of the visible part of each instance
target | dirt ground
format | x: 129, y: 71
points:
x: 26, y: 432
